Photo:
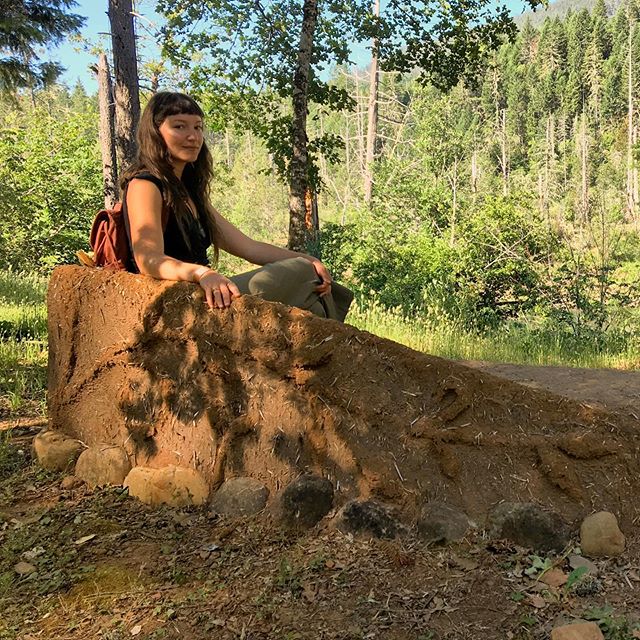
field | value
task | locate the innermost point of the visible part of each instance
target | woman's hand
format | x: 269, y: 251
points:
x: 324, y: 288
x: 218, y: 290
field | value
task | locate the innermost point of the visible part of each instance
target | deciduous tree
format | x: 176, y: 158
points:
x: 246, y: 57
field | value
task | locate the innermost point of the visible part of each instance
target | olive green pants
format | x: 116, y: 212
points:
x: 293, y: 282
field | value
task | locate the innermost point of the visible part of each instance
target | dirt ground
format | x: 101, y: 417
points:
x: 272, y: 392
x: 609, y: 388
x: 109, y: 567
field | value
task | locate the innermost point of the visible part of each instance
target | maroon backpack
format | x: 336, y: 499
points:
x: 110, y: 241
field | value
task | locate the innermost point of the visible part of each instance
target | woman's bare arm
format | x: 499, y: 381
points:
x: 144, y: 206
x: 238, y: 244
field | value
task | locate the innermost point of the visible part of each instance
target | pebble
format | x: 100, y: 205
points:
x: 24, y: 569
x: 70, y: 482
x: 601, y: 536
x: 579, y: 631
x: 575, y: 562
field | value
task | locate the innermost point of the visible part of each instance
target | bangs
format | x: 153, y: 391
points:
x: 173, y: 104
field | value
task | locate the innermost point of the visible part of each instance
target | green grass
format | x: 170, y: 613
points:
x: 520, y: 343
x: 20, y: 288
x: 23, y: 342
x: 20, y: 323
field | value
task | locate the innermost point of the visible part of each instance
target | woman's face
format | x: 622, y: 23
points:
x: 183, y: 135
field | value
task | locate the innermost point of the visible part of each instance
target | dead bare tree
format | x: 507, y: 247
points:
x: 126, y: 86
x: 107, y: 132
x: 372, y: 116
x: 632, y: 171
x: 583, y: 153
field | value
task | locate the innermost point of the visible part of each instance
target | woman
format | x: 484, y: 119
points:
x: 171, y: 222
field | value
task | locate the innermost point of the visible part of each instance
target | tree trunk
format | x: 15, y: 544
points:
x: 549, y: 154
x: 474, y: 172
x: 501, y: 129
x: 583, y: 150
x: 347, y: 169
x: 631, y: 201
x: 541, y: 199
x: 359, y: 125
x: 454, y: 203
x: 125, y: 71
x: 372, y: 119
x: 504, y: 160
x: 563, y: 149
x: 635, y: 170
x: 155, y: 81
x: 107, y: 133
x: 300, y: 236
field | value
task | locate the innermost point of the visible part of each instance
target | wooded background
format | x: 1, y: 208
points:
x: 502, y: 193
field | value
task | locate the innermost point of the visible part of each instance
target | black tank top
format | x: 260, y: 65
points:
x: 175, y: 245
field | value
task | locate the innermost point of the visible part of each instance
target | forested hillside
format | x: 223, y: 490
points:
x: 561, y: 8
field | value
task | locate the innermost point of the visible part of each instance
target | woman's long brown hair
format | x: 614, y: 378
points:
x: 154, y: 158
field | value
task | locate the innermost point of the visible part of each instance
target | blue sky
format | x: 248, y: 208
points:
x: 77, y: 58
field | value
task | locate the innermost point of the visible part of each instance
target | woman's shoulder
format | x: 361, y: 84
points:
x: 149, y: 177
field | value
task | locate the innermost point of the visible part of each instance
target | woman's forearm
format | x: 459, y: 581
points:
x: 219, y: 291
x: 164, y: 267
x: 232, y: 240
x: 263, y: 253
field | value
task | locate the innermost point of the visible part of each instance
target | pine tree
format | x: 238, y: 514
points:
x: 26, y: 25
x: 578, y: 37
x: 614, y: 99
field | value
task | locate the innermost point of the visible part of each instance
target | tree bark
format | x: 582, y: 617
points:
x: 126, y: 88
x: 359, y: 125
x: 631, y: 200
x: 583, y: 149
x: 474, y: 172
x: 504, y: 155
x: 454, y: 204
x: 636, y: 186
x: 549, y: 155
x: 347, y: 169
x: 541, y: 191
x: 300, y: 236
x: 372, y: 117
x: 107, y: 133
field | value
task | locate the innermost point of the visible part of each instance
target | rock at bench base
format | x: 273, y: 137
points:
x: 103, y: 464
x: 175, y: 486
x: 368, y: 517
x: 304, y: 502
x: 55, y: 451
x: 529, y: 525
x: 239, y: 497
x: 440, y: 523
